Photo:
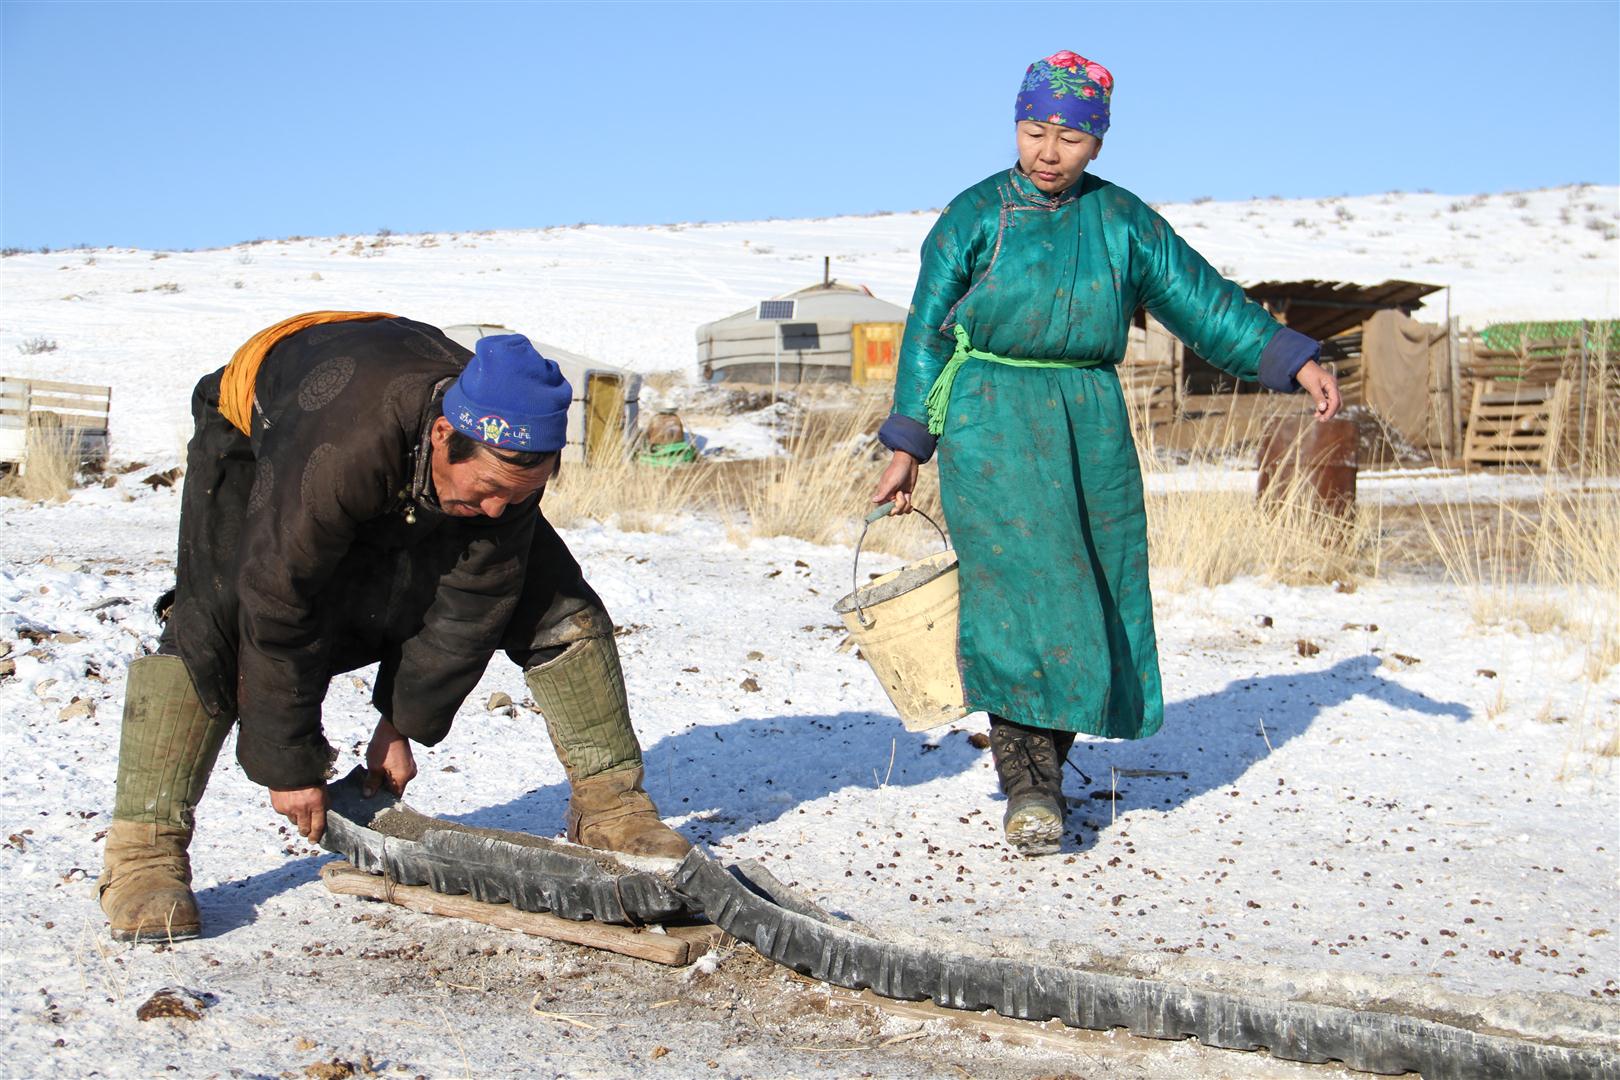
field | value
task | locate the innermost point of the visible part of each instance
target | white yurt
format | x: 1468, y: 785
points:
x: 827, y: 332
x: 602, y: 418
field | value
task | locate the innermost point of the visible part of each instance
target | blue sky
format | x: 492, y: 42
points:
x: 203, y: 124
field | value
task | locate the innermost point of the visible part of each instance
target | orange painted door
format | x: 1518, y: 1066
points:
x: 876, y: 347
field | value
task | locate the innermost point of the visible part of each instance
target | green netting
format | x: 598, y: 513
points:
x: 1554, y: 338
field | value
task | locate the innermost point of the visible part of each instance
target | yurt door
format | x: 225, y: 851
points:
x: 604, y: 416
x: 875, y: 346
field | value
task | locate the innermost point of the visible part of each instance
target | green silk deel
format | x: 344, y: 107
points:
x: 1038, y: 468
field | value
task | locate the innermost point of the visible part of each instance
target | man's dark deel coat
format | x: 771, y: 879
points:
x: 317, y: 546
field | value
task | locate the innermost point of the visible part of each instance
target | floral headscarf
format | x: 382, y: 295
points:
x: 1067, y: 89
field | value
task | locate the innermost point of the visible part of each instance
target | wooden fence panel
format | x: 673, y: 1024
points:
x: 1515, y: 423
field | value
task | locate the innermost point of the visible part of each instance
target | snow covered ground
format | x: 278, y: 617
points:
x: 1413, y: 812
x: 1373, y: 796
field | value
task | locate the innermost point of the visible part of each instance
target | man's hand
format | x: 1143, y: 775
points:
x: 305, y: 807
x: 897, y: 483
x: 389, y: 761
x: 1321, y: 386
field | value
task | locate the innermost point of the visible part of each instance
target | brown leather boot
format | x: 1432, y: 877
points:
x: 145, y: 885
x: 613, y: 813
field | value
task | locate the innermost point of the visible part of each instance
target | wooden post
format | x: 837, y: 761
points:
x: 1455, y: 363
x: 1585, y: 363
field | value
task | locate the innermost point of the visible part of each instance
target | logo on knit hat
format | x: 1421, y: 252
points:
x: 493, y: 427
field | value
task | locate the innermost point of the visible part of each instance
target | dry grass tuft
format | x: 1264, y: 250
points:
x: 636, y: 498
x: 1610, y: 746
x: 51, y: 470
x: 1212, y: 537
x: 816, y: 490
x: 820, y: 488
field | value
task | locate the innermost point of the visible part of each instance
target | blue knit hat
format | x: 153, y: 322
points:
x: 511, y: 397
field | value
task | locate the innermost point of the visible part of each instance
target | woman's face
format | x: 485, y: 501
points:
x: 1054, y: 156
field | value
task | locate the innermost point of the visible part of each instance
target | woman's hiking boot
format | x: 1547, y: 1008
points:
x: 166, y: 749
x: 1030, y: 770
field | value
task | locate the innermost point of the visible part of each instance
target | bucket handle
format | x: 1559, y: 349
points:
x: 855, y: 571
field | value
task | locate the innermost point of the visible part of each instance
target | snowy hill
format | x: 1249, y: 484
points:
x: 149, y: 323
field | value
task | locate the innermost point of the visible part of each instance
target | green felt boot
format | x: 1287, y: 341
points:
x: 581, y: 695
x: 166, y: 749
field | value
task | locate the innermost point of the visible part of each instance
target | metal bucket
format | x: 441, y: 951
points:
x: 905, y: 625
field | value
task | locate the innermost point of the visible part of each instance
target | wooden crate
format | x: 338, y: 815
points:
x: 77, y: 411
x: 1515, y: 423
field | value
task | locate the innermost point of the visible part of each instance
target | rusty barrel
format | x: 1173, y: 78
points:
x: 1319, y: 457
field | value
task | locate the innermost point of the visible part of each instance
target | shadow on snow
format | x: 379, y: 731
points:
x: 732, y: 778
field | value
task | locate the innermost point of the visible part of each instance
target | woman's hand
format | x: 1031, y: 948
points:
x: 1323, y: 387
x: 389, y: 761
x: 897, y: 483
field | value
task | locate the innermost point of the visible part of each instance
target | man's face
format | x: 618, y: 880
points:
x: 483, y: 484
x: 1054, y: 156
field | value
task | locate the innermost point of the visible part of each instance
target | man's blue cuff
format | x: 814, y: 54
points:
x: 1286, y: 352
x: 903, y: 433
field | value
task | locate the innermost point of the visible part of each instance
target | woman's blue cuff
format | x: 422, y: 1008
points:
x: 1286, y: 352
x: 903, y: 433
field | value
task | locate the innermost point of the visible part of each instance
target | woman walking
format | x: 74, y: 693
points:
x: 1029, y: 281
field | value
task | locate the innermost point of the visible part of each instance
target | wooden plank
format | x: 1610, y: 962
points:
x: 700, y: 938
x: 1473, y: 444
x: 1516, y: 424
x: 37, y: 403
x: 669, y: 949
x: 88, y: 389
x: 84, y: 425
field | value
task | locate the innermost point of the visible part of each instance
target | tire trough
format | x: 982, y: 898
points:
x: 383, y: 836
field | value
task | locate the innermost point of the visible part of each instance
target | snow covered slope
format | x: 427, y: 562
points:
x: 149, y: 323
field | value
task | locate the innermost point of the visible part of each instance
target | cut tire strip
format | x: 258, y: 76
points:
x: 530, y: 873
x: 1366, y: 1041
x: 533, y: 874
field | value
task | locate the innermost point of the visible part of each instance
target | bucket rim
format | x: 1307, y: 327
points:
x: 908, y: 578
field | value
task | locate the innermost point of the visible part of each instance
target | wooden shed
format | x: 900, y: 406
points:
x: 1400, y: 368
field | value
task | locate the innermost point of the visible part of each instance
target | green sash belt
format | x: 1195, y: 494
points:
x: 938, y: 401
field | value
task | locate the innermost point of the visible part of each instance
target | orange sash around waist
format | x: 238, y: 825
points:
x: 236, y: 384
